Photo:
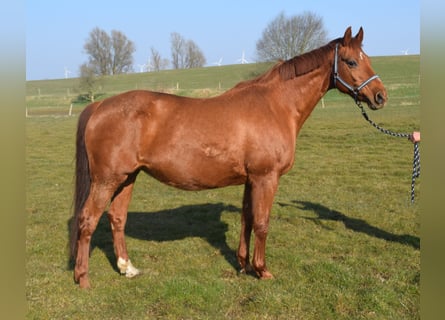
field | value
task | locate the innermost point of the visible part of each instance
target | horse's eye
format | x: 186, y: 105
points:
x: 351, y: 63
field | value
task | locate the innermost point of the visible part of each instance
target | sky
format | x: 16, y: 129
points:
x: 56, y: 31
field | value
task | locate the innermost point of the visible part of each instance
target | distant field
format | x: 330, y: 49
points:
x: 344, y: 239
x: 47, y: 96
x: 54, y: 97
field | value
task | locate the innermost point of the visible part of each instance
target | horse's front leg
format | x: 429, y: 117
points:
x: 246, y: 231
x: 117, y: 216
x: 262, y: 192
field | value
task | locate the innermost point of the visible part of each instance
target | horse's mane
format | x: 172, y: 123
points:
x: 306, y: 62
x: 294, y: 67
x: 260, y: 79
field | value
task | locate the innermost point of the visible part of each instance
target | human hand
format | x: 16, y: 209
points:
x: 414, y: 137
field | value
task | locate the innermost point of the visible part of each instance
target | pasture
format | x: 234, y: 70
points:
x: 344, y: 239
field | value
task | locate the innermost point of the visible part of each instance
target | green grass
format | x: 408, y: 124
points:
x: 343, y: 241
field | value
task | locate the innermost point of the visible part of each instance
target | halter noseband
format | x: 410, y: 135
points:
x: 337, y: 77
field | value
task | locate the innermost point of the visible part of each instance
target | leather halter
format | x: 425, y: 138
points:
x: 354, y: 90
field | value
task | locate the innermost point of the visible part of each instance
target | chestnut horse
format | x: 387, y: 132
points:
x: 244, y: 136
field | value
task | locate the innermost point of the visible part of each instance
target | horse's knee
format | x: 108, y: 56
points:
x: 117, y: 223
x: 261, y: 229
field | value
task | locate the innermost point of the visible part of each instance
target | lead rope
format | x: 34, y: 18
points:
x: 416, y: 160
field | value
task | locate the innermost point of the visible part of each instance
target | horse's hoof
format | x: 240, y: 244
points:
x: 265, y: 275
x: 247, y: 269
x: 84, y: 283
x: 132, y: 272
x: 127, y: 268
x: 81, y: 279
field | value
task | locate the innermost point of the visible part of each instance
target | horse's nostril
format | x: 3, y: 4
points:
x: 380, y: 98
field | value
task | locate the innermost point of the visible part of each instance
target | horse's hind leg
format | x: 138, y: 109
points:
x: 117, y: 216
x: 100, y: 195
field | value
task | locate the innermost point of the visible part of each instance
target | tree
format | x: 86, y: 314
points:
x: 285, y: 37
x: 89, y: 81
x: 177, y: 47
x: 122, y: 53
x: 194, y: 57
x: 157, y: 63
x: 109, y: 55
x: 185, y: 53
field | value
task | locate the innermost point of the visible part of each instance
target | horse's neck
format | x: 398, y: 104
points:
x: 304, y: 92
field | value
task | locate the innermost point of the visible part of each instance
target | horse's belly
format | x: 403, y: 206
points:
x: 190, y: 180
x: 197, y: 173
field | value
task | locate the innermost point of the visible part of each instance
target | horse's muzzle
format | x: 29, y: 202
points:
x: 378, y: 101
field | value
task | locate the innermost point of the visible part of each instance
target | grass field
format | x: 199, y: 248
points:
x: 343, y: 240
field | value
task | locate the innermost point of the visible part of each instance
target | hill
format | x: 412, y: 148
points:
x: 55, y: 96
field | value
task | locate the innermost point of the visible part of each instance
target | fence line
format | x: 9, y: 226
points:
x: 40, y: 112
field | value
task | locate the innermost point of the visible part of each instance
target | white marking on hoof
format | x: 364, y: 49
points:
x: 125, y: 267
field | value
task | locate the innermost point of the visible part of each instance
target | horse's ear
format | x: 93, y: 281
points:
x: 359, y: 35
x: 347, y: 37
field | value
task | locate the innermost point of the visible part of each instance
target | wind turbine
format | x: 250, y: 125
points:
x: 142, y: 67
x: 219, y: 62
x: 405, y: 52
x: 243, y: 59
x: 149, y: 65
x: 67, y: 72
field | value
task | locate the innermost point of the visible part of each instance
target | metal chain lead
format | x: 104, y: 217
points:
x: 416, y: 160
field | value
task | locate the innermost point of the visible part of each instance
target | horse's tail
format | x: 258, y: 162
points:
x: 82, y: 176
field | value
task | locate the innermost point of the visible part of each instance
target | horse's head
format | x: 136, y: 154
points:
x: 353, y: 73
